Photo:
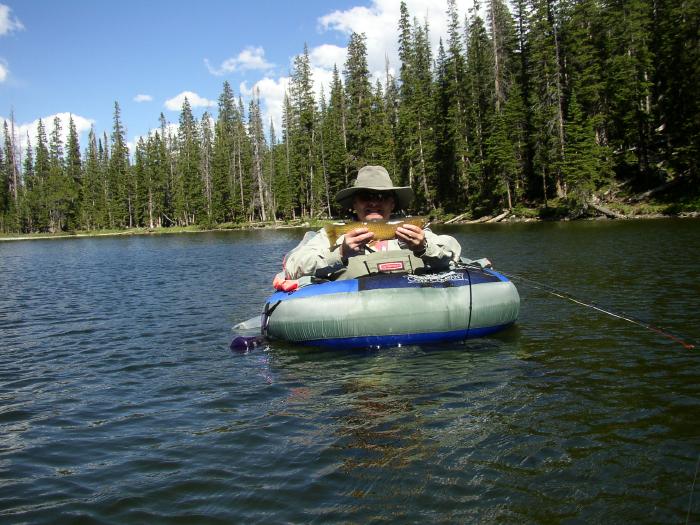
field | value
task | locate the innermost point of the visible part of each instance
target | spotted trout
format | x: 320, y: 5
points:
x: 382, y: 230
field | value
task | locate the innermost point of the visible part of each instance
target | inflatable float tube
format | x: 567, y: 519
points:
x: 390, y: 309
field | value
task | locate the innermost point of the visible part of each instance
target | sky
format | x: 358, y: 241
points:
x: 77, y: 57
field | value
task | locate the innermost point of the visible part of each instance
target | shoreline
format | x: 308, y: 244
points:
x: 512, y: 219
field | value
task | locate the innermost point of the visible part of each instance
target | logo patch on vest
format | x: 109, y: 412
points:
x: 390, y: 266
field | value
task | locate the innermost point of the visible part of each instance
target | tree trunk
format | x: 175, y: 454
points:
x: 423, y: 168
x: 240, y: 174
x: 325, y: 174
x: 496, y: 59
x: 12, y: 159
x: 150, y: 208
x: 345, y: 144
x: 560, y: 182
x: 257, y: 163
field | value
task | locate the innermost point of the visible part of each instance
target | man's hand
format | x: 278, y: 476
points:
x: 355, y: 241
x: 412, y: 236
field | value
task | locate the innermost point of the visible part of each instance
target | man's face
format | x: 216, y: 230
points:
x: 372, y: 205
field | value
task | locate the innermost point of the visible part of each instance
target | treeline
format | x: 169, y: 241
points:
x: 541, y: 100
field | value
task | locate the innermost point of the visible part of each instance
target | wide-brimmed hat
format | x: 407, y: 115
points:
x: 375, y: 178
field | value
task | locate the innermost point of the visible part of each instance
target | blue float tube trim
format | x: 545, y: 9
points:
x: 406, y: 339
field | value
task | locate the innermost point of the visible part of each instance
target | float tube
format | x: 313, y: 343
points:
x: 394, y: 303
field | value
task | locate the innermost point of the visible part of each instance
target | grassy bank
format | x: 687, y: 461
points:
x: 554, y: 211
x: 158, y: 231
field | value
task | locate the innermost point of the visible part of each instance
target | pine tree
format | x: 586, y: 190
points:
x: 453, y: 155
x: 206, y: 156
x: 547, y: 96
x: 322, y: 128
x: 118, y: 186
x: 391, y: 106
x: 404, y: 123
x: 29, y: 181
x: 9, y: 194
x: 501, y: 161
x: 583, y: 43
x: 223, y: 168
x: 288, y: 144
x: 520, y: 109
x: 416, y: 130
x: 629, y: 74
x: 335, y: 137
x: 281, y: 198
x: 243, y: 164
x: 261, y: 201
x: 303, y: 138
x: 103, y: 155
x: 358, y: 101
x: 515, y: 118
x: 380, y: 148
x: 139, y: 169
x: 188, y: 186
x: 479, y: 80
x: 503, y: 45
x: 157, y: 181
x: 677, y: 64
x: 4, y: 190
x: 56, y: 187
x: 582, y: 163
x: 445, y: 158
x: 73, y: 176
x: 90, y: 190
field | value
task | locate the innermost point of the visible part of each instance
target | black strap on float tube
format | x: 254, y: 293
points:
x: 267, y: 312
x: 471, y: 298
x: 630, y: 319
x: 465, y: 267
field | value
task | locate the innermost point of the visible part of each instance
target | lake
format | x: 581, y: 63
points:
x: 120, y: 401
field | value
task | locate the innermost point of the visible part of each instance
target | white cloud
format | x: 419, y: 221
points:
x: 4, y: 72
x: 7, y: 23
x: 380, y: 23
x: 271, y: 98
x: 271, y: 92
x: 82, y: 125
x: 251, y: 58
x: 322, y: 78
x: 143, y: 98
x: 175, y: 103
x: 328, y: 55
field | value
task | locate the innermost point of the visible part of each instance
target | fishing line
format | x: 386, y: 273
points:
x: 692, y: 489
x: 565, y: 295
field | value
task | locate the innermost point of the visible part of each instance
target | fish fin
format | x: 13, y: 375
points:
x: 330, y: 232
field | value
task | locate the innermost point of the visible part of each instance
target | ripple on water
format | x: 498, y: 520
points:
x: 120, y: 401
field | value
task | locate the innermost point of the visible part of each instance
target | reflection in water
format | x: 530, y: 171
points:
x: 390, y: 411
x: 375, y: 428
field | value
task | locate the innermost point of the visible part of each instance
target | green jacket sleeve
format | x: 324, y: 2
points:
x: 315, y: 258
x: 440, y: 250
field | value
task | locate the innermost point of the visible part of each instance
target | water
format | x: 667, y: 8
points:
x: 120, y: 401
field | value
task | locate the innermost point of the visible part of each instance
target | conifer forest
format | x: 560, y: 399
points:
x: 539, y: 103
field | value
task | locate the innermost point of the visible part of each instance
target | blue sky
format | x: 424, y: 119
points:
x: 78, y: 57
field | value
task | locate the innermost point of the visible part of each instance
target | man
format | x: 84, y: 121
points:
x: 372, y: 197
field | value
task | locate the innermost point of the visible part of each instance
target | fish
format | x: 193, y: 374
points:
x: 383, y: 230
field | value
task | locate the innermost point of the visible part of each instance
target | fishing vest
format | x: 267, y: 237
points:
x: 390, y: 261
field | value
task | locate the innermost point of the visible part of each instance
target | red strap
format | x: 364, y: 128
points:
x: 289, y: 286
x: 285, y: 285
